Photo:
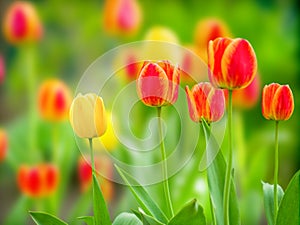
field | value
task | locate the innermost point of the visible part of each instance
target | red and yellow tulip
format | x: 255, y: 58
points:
x: 205, y: 101
x: 232, y: 63
x: 277, y: 102
x: 38, y: 181
x: 21, y: 23
x: 54, y: 100
x: 3, y: 144
x: 157, y: 84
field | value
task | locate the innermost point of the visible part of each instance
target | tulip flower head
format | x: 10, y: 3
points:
x: 21, y: 23
x: 87, y: 116
x: 157, y: 84
x: 122, y: 17
x: 2, y: 69
x: 54, y: 100
x: 232, y: 63
x: 205, y: 101
x: 38, y: 181
x: 3, y: 144
x: 277, y: 102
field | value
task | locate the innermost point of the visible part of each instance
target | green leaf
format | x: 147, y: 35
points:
x: 42, y: 218
x: 127, y: 219
x: 101, y: 214
x: 268, y: 190
x: 146, y: 219
x: 191, y: 214
x: 289, y: 209
x: 216, y: 180
x: 142, y: 197
x: 89, y: 220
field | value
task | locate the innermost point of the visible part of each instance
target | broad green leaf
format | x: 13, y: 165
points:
x: 101, y: 214
x: 127, y: 219
x: 191, y: 214
x: 146, y: 219
x: 216, y: 180
x: 268, y: 190
x: 89, y: 220
x: 289, y: 209
x: 42, y: 218
x: 142, y: 197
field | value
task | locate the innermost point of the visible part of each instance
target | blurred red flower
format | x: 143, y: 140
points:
x: 3, y: 144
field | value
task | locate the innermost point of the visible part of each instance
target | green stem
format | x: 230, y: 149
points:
x: 92, y: 155
x: 276, y: 171
x: 164, y: 165
x: 229, y: 165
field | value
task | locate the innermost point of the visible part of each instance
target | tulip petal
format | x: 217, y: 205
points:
x: 238, y: 64
x: 267, y: 100
x: 283, y: 103
x: 192, y: 105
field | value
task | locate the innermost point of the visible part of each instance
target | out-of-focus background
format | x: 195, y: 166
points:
x: 46, y: 46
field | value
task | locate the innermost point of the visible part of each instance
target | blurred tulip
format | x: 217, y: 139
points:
x: 109, y: 139
x: 38, y: 181
x: 277, y: 102
x: 87, y: 116
x: 3, y: 144
x: 104, y: 167
x: 204, y: 101
x: 122, y: 17
x: 21, y: 23
x: 2, y: 69
x: 232, y: 63
x: 247, y: 97
x: 54, y: 100
x: 157, y: 84
x: 132, y: 67
x: 159, y: 33
x: 206, y: 30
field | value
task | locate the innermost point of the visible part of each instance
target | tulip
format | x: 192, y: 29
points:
x: 160, y: 33
x: 247, y: 98
x: 38, y: 181
x: 232, y: 63
x: 21, y: 23
x: 206, y: 30
x: 109, y: 139
x: 277, y: 102
x: 157, y: 84
x: 2, y: 69
x: 122, y: 17
x: 205, y: 102
x: 3, y: 144
x: 87, y: 116
x: 54, y: 100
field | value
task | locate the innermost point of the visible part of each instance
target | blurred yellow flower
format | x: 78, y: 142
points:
x: 87, y: 116
x: 109, y: 139
x: 160, y: 33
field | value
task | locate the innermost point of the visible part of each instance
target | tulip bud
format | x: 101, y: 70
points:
x: 38, y: 181
x: 87, y: 116
x: 277, y: 102
x: 2, y: 69
x: 21, y: 23
x: 54, y: 100
x: 206, y: 30
x: 122, y: 17
x: 157, y: 84
x: 204, y: 101
x: 3, y: 144
x: 232, y: 63
x: 246, y: 98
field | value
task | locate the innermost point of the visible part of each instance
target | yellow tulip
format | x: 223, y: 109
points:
x: 109, y: 139
x: 87, y: 116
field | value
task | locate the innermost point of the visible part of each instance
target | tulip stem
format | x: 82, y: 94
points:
x: 229, y: 165
x: 164, y: 165
x: 276, y: 171
x: 92, y: 154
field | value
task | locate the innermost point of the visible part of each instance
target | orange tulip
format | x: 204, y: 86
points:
x: 122, y: 17
x: 21, y: 23
x: 157, y: 84
x: 206, y: 30
x: 247, y: 98
x: 204, y: 101
x: 54, y: 100
x: 3, y: 144
x: 2, y: 69
x: 232, y: 63
x: 277, y: 102
x: 38, y: 181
